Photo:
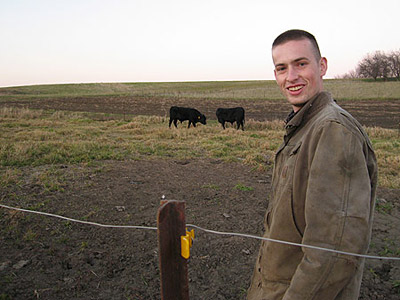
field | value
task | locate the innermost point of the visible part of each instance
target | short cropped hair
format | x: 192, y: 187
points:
x: 296, y: 35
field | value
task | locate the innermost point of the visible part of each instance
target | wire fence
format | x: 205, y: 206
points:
x: 243, y: 235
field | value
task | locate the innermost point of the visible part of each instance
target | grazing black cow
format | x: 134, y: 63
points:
x: 231, y: 115
x: 185, y: 113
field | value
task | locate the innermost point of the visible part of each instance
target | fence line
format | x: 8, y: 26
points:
x: 292, y: 244
x: 205, y: 230
x: 78, y: 221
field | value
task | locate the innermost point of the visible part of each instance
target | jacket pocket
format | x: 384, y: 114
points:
x: 295, y: 149
x: 287, y: 159
x: 267, y: 219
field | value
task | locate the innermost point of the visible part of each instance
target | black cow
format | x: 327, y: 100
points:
x: 231, y: 115
x: 185, y: 113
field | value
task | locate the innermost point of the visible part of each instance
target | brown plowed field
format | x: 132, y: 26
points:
x: 380, y: 113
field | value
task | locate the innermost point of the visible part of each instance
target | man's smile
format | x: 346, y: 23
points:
x: 295, y: 89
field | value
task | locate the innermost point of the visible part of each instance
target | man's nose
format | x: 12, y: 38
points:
x: 292, y: 74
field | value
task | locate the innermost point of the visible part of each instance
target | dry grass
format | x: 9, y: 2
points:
x: 34, y: 138
x: 20, y: 113
x: 386, y: 144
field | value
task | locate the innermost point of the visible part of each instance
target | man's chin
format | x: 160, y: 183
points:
x: 297, y: 102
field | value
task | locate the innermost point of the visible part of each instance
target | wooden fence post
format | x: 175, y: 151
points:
x: 173, y: 267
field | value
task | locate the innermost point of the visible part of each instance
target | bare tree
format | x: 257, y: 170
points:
x: 374, y: 66
x: 394, y: 63
x: 368, y: 68
x: 384, y: 64
x: 377, y: 65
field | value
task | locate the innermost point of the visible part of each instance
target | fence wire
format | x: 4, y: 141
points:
x: 243, y: 235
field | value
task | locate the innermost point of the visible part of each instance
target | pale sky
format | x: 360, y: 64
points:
x: 82, y: 41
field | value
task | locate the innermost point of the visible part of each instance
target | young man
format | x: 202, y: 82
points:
x: 323, y: 189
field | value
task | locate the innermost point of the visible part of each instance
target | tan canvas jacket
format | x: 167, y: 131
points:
x: 323, y: 194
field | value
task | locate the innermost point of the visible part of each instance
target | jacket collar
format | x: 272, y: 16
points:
x: 310, y: 108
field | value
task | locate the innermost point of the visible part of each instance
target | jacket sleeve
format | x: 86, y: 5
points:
x: 337, y: 213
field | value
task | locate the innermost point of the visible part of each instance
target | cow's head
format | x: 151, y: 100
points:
x: 202, y: 119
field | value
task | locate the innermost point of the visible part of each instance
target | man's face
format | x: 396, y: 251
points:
x: 298, y: 72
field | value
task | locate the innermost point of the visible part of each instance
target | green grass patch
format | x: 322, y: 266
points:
x: 383, y: 206
x: 243, y: 188
x: 396, y: 286
x: 211, y: 186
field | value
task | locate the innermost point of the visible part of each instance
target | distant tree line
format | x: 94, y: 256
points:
x: 378, y: 65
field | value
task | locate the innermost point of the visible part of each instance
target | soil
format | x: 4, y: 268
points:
x: 380, y: 113
x: 43, y: 257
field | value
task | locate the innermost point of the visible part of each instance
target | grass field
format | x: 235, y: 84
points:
x: 342, y: 89
x: 37, y: 137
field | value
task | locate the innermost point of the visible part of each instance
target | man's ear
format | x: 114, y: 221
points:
x: 323, y: 66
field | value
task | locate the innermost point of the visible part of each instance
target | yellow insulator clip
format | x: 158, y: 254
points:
x: 186, y: 243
